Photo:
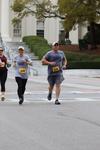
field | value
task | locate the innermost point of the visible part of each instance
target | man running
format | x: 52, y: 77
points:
x: 56, y: 61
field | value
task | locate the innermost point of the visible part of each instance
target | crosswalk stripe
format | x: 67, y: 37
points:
x: 43, y: 100
x: 46, y: 92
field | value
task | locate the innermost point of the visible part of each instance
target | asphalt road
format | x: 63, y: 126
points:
x: 41, y: 125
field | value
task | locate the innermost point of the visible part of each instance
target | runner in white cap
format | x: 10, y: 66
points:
x: 21, y: 62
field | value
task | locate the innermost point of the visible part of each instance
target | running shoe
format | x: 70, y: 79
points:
x: 57, y: 102
x: 2, y: 98
x: 20, y: 101
x: 49, y: 97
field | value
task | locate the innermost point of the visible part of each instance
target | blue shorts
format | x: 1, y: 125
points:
x: 55, y: 79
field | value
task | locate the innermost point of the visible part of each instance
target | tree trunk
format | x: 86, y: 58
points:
x: 92, y: 31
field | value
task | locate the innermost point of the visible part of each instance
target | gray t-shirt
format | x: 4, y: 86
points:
x: 57, y: 57
x: 22, y: 69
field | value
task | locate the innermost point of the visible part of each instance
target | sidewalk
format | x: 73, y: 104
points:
x: 80, y: 78
x: 83, y: 72
x: 42, y: 70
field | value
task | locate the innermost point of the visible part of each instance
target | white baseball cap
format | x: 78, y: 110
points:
x: 21, y: 47
x: 55, y: 44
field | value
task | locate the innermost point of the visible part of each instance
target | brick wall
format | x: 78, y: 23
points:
x: 72, y: 47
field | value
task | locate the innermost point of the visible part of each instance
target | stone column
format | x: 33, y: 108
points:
x: 74, y: 35
x: 5, y: 19
x: 51, y: 29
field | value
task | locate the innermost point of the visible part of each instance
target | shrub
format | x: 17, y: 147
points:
x: 76, y: 60
x: 82, y: 61
x: 38, y: 45
x: 73, y: 56
x: 83, y: 65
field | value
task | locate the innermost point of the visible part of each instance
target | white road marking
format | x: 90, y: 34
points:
x: 76, y: 85
x: 43, y: 100
x: 81, y: 86
x: 84, y: 99
x: 25, y: 101
x: 46, y: 92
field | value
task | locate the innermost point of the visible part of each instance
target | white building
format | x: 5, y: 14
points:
x: 50, y: 29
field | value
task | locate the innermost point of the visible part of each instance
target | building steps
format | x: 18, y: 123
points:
x: 13, y: 47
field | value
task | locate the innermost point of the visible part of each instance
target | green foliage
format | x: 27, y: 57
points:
x: 82, y: 61
x: 83, y: 65
x: 15, y: 20
x: 41, y: 9
x: 87, y: 37
x: 83, y: 44
x: 79, y: 56
x: 72, y: 12
x: 18, y: 5
x: 38, y: 45
x: 73, y: 56
x: 79, y: 11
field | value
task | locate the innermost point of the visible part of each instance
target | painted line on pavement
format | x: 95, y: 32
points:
x: 43, y: 100
x: 62, y: 92
x: 44, y: 81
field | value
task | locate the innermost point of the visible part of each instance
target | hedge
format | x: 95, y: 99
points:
x: 83, y: 65
x: 78, y: 56
x: 82, y: 61
x: 38, y: 45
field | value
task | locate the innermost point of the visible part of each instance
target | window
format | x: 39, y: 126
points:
x: 17, y: 30
x: 40, y: 28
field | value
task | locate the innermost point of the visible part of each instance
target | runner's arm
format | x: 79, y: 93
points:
x: 64, y: 62
x: 14, y: 64
x: 28, y: 61
x: 46, y: 62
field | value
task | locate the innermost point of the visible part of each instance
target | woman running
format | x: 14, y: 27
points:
x: 21, y: 63
x: 3, y: 73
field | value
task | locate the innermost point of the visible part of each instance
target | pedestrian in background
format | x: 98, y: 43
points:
x: 21, y: 64
x: 56, y: 61
x: 3, y: 72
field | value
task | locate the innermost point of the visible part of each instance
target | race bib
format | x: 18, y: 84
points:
x: 55, y: 69
x: 22, y: 70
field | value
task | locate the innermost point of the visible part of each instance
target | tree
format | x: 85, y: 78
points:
x: 39, y: 8
x: 72, y: 12
x: 87, y: 36
x: 79, y: 12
